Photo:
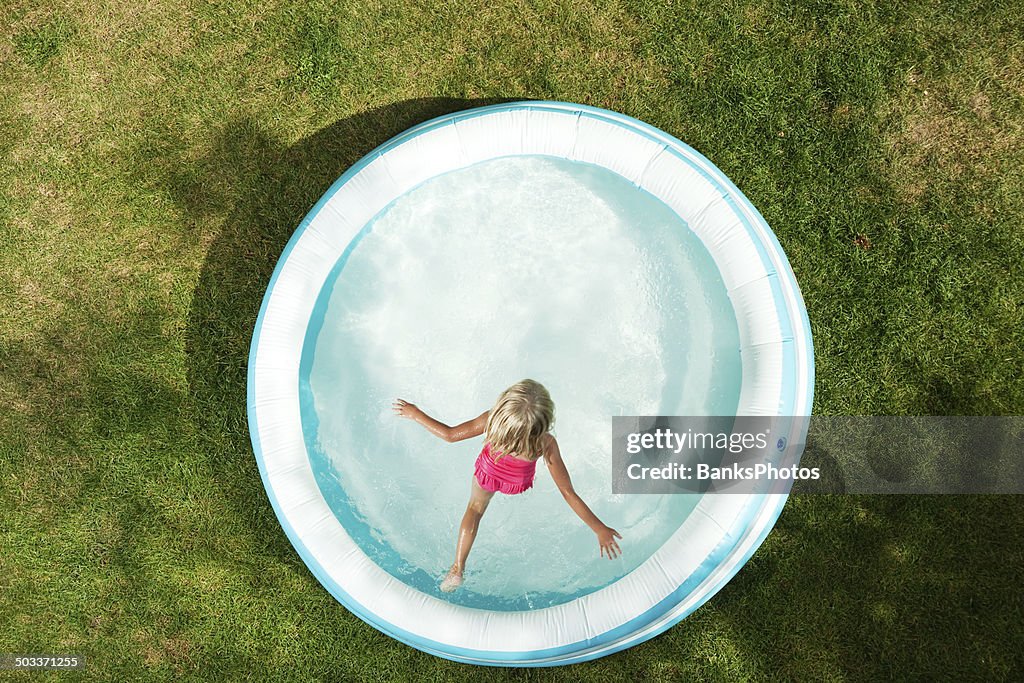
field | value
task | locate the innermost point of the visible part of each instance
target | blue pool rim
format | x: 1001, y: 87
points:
x: 493, y: 658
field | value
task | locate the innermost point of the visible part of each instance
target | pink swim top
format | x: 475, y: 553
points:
x: 509, y: 475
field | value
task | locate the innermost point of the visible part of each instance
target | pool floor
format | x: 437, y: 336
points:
x: 518, y: 267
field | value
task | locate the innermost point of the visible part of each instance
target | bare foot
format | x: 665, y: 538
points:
x: 452, y: 581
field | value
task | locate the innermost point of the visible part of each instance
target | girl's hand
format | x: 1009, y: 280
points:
x: 606, y: 537
x: 404, y: 409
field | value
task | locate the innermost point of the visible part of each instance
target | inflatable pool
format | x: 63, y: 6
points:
x: 570, y: 244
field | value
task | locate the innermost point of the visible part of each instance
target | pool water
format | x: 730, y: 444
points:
x: 518, y: 267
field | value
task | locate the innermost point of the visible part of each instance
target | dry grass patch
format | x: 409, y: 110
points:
x: 963, y: 127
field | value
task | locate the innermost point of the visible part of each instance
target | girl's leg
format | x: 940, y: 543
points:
x: 478, y: 500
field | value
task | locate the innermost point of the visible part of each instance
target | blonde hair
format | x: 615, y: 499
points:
x: 522, y: 415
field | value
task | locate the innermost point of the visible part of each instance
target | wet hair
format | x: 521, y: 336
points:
x: 522, y: 415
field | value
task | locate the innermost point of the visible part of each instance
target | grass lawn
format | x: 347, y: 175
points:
x: 155, y: 156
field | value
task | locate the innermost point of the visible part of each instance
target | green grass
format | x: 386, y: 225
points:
x: 156, y: 156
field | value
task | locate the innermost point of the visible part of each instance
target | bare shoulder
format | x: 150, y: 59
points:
x: 480, y: 422
x: 550, y: 446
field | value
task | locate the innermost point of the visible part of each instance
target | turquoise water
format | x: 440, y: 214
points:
x: 518, y: 267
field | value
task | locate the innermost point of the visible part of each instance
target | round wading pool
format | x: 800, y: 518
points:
x: 573, y: 245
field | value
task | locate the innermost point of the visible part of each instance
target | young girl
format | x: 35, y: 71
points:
x: 516, y: 436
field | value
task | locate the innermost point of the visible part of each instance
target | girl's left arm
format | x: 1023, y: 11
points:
x: 605, y: 534
x: 459, y: 432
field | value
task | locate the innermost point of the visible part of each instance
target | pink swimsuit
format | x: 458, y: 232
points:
x: 509, y: 474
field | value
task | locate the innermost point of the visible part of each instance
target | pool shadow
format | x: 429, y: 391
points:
x: 269, y: 187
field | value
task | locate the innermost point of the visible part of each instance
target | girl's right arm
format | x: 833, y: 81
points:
x: 459, y: 432
x: 605, y: 534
